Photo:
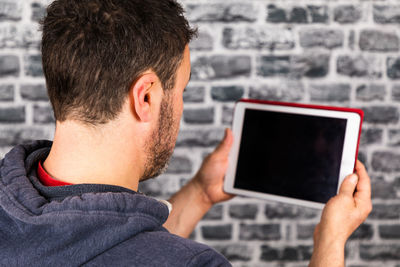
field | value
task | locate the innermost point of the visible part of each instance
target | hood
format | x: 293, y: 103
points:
x: 66, y: 225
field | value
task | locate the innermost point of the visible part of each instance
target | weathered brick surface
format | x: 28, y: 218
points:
x: 7, y: 92
x: 386, y: 161
x: 9, y: 66
x: 199, y: 116
x: 330, y: 92
x: 340, y: 53
x: 258, y: 38
x: 347, y: 13
x: 381, y: 114
x: 371, y: 92
x: 375, y: 40
x: 289, y: 254
x: 43, y: 114
x: 217, y: 232
x: 227, y: 93
x: 328, y: 38
x: 285, y: 91
x: 243, y: 211
x: 260, y: 232
x: 12, y: 114
x: 359, y: 66
x: 236, y: 252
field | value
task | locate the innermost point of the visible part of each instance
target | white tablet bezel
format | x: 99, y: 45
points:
x: 348, y: 157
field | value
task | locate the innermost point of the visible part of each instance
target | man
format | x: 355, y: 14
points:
x: 115, y: 72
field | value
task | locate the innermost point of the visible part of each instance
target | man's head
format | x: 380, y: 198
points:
x: 119, y: 61
x: 94, y: 50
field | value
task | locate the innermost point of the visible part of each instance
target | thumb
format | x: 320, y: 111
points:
x: 225, y: 145
x: 349, y: 185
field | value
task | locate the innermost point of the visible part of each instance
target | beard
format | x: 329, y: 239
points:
x: 161, y: 144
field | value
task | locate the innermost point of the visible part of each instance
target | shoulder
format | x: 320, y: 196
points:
x: 160, y: 248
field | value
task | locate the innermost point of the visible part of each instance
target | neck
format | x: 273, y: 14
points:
x: 82, y: 155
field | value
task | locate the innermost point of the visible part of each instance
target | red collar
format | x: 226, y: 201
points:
x: 46, y: 179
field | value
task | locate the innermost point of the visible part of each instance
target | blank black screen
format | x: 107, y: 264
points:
x: 290, y: 155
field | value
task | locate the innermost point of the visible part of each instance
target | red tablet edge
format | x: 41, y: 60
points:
x: 360, y: 112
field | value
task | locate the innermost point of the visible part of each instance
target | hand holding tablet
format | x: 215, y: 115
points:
x: 293, y: 153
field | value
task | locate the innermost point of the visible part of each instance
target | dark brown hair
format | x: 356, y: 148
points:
x: 93, y: 51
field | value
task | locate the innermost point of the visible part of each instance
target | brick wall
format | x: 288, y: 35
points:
x: 343, y: 53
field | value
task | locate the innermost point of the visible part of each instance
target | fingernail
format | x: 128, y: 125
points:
x: 353, y: 179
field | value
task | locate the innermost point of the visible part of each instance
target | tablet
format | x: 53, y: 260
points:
x: 293, y: 153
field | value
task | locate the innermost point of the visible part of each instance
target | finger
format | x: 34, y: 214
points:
x: 364, y: 183
x: 349, y: 185
x: 225, y: 145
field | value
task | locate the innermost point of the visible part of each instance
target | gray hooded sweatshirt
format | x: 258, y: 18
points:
x: 85, y: 224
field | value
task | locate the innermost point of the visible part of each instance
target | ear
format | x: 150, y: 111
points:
x: 142, y: 94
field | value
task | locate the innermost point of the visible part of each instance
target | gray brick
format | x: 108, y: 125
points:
x: 215, y: 213
x: 33, y: 65
x: 386, y: 161
x: 285, y: 211
x: 203, y: 42
x: 393, y: 67
x: 330, y: 92
x: 298, y: 15
x: 371, y: 92
x: 378, y: 41
x: 385, y: 211
x: 199, y: 115
x: 305, y: 231
x: 396, y: 92
x: 25, y: 36
x: 276, y: 14
x: 371, y: 136
x: 386, y: 14
x: 382, y: 189
x: 319, y: 14
x: 287, y: 254
x: 200, y: 138
x: 221, y: 12
x: 217, y: 232
x: 259, y: 232
x: 394, y: 137
x: 321, y: 37
x: 219, y: 67
x: 347, y: 13
x: 227, y: 93
x: 12, y: 114
x: 38, y: 11
x: 9, y: 66
x: 389, y: 231
x: 270, y: 66
x: 10, y: 10
x: 194, y: 94
x: 179, y: 165
x: 359, y: 66
x: 43, y: 114
x: 306, y: 65
x: 162, y: 187
x: 380, y: 252
x: 283, y: 91
x: 7, y: 92
x: 258, y: 38
x: 312, y: 65
x: 381, y: 114
x: 243, y: 211
x: 14, y: 136
x: 34, y: 92
x: 364, y: 231
x: 227, y: 115
x: 235, y: 252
